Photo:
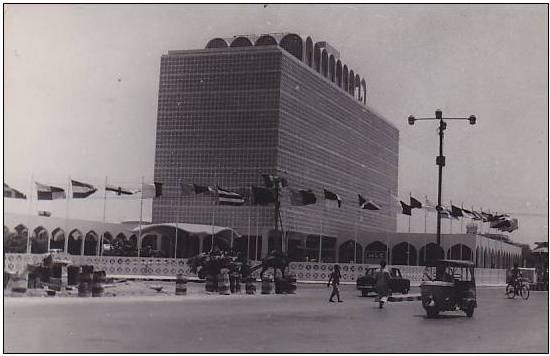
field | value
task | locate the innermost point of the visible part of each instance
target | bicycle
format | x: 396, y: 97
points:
x: 517, y: 288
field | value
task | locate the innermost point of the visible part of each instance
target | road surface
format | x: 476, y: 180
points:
x: 304, y: 322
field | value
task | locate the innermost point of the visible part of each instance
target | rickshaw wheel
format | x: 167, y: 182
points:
x: 432, y: 312
x: 524, y: 291
x: 510, y: 293
x: 405, y: 291
x: 364, y: 293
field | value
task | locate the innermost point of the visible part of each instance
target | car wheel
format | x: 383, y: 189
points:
x: 405, y: 291
x: 364, y: 293
x: 469, y: 312
x: 432, y: 312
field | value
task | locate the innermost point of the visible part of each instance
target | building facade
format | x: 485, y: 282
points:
x: 281, y: 105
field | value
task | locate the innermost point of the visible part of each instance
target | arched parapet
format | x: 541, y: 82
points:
x: 348, y: 249
x: 39, y: 240
x: 74, y: 244
x: 241, y: 41
x: 375, y: 252
x: 17, y: 239
x: 345, y: 76
x: 364, y: 90
x: 429, y: 253
x: 91, y: 243
x: 358, y: 94
x: 324, y: 63
x: 217, y: 43
x: 460, y: 252
x: 317, y: 57
x: 266, y: 40
x: 403, y: 254
x: 309, y: 52
x: 339, y: 73
x: 332, y: 68
x: 57, y: 240
x: 293, y: 44
x: 351, y: 83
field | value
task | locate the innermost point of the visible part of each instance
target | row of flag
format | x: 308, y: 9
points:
x: 502, y: 222
x: 82, y: 190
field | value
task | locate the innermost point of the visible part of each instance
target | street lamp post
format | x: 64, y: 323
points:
x: 440, y: 160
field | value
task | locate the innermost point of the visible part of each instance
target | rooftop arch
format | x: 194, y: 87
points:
x: 293, y: 44
x: 217, y: 43
x: 309, y: 52
x: 241, y: 41
x: 266, y: 40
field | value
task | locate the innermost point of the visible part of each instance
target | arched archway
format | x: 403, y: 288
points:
x: 309, y: 51
x: 293, y: 44
x: 364, y: 86
x: 331, y: 68
x: 216, y: 43
x: 317, y: 57
x: 339, y: 73
x: 75, y: 242
x: 90, y: 243
x: 106, y: 242
x: 57, y: 240
x: 485, y: 258
x: 347, y: 250
x: 358, y: 88
x: 430, y: 253
x: 459, y: 252
x: 351, y: 84
x: 403, y: 254
x: 16, y: 241
x: 375, y: 252
x: 266, y: 40
x: 241, y: 41
x: 324, y: 63
x: 39, y: 240
x: 477, y: 257
x: 345, y: 82
x: 492, y: 258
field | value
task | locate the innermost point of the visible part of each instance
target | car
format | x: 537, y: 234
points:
x: 367, y: 283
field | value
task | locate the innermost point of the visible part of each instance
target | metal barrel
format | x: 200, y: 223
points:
x: 250, y: 287
x: 211, y: 283
x: 223, y: 283
x: 267, y: 285
x: 85, y: 285
x: 73, y: 273
x: 19, y: 283
x: 181, y: 284
x: 97, y: 283
x: 291, y: 283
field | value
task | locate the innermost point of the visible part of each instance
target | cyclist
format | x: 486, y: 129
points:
x: 516, y: 275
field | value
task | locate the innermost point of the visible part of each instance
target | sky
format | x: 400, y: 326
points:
x: 81, y: 89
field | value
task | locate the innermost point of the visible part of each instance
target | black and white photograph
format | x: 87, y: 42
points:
x: 275, y: 178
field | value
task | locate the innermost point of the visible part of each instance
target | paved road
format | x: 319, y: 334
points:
x: 304, y: 322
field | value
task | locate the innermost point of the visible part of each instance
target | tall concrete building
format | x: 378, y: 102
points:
x: 274, y: 104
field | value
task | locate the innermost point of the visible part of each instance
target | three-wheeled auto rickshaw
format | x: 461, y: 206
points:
x: 448, y: 285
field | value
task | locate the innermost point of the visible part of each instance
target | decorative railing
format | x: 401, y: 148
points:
x: 304, y: 271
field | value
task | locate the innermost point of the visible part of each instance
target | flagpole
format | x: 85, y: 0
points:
x: 248, y: 237
x: 257, y: 233
x: 28, y: 249
x: 425, y: 220
x: 140, y: 217
x: 408, y: 244
x: 68, y: 197
x: 355, y: 237
x: 104, y: 217
x: 462, y: 220
x: 321, y: 235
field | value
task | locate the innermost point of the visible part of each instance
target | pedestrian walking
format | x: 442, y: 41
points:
x: 382, y: 284
x: 335, y: 280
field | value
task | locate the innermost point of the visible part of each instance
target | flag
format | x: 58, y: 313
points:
x: 428, y: 205
x: 119, y: 190
x: 302, y: 197
x: 446, y: 213
x: 48, y: 192
x: 406, y: 209
x: 368, y: 205
x: 10, y: 192
x: 468, y: 214
x: 510, y: 225
x: 262, y: 196
x: 272, y: 181
x: 456, y: 211
x: 44, y: 213
x: 477, y: 216
x: 415, y: 203
x: 82, y: 190
x: 331, y: 197
x: 149, y: 191
x: 225, y: 197
x: 200, y: 189
x: 485, y: 217
x: 187, y: 189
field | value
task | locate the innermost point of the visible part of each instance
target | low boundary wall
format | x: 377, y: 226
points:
x: 304, y: 271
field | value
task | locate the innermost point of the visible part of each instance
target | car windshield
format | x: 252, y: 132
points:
x: 446, y: 273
